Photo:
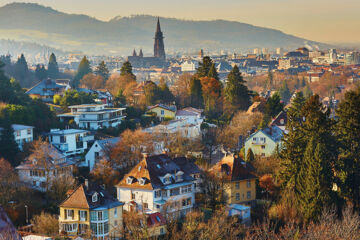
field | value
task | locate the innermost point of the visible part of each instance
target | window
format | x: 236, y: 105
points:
x: 157, y: 193
x: 146, y: 205
x: 83, y: 215
x: 174, y: 191
x: 248, y: 183
x: 158, y: 218
x: 29, y: 131
x: 115, y: 223
x: 132, y: 195
x: 237, y: 196
x: 164, y: 193
x: 161, y: 230
x: 186, y: 189
x: 254, y: 139
x: 70, y: 227
x: 237, y: 185
x: 69, y: 214
x: 248, y: 194
x: 115, y: 212
x: 18, y: 133
x: 157, y: 206
x: 95, y: 197
x: 262, y: 147
x: 162, y: 112
x: 100, y: 216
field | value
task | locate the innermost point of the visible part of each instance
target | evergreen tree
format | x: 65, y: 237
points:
x: 53, y: 68
x: 303, y: 82
x: 285, y: 92
x: 8, y: 145
x: 314, y: 181
x: 40, y: 72
x: 204, y: 67
x: 119, y: 99
x: 21, y: 71
x: 250, y: 157
x: 151, y: 93
x: 236, y: 93
x: 196, y: 99
x: 126, y: 69
x: 348, y: 135
x: 165, y: 93
x: 307, y: 91
x: 102, y: 71
x: 5, y: 86
x: 213, y: 72
x: 83, y: 69
x: 274, y: 105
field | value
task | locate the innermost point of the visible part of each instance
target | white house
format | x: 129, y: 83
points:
x: 157, y: 184
x: 187, y: 129
x: 189, y: 66
x: 70, y: 141
x: 40, y: 173
x: 22, y: 134
x: 96, y: 151
x: 94, y: 116
x: 191, y: 115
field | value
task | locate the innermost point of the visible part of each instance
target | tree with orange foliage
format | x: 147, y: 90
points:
x: 211, y: 89
x: 92, y: 81
x: 266, y: 182
x: 129, y: 150
x: 105, y: 173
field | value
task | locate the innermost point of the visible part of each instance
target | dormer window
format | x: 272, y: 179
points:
x: 95, y: 197
x: 130, y: 180
x: 179, y: 176
x: 142, y: 181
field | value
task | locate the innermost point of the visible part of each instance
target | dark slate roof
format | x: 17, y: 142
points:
x: 187, y: 165
x: 108, y: 141
x: 45, y: 84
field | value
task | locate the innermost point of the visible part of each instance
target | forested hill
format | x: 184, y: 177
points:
x: 44, y: 25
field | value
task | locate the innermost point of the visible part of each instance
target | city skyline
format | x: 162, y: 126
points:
x: 324, y: 21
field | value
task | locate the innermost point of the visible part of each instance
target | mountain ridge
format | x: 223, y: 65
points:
x: 45, y: 25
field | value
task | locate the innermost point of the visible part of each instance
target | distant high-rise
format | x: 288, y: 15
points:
x: 159, y: 48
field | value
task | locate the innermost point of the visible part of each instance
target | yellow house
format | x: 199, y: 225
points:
x: 163, y: 111
x: 156, y: 224
x: 91, y: 211
x: 240, y: 183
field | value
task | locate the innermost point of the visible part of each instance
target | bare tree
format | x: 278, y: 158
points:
x: 46, y: 224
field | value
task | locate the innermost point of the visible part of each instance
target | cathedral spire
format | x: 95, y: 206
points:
x: 134, y: 53
x: 141, y: 53
x: 159, y: 49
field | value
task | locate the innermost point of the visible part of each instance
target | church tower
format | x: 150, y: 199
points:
x: 159, y: 48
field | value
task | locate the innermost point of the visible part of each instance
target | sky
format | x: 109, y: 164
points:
x: 330, y: 21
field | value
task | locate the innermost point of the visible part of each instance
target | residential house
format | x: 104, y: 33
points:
x: 240, y: 183
x: 97, y: 150
x: 46, y: 89
x: 70, y: 141
x: 91, y: 207
x: 191, y: 115
x: 280, y: 120
x: 264, y: 142
x: 163, y: 111
x: 94, y: 116
x: 157, y: 184
x: 39, y: 173
x: 176, y: 126
x: 156, y: 224
x: 190, y: 168
x: 22, y: 134
x: 189, y: 66
x: 242, y: 212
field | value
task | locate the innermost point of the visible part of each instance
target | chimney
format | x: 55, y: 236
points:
x: 86, y: 183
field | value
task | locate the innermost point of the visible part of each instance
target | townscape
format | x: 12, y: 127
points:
x: 256, y: 144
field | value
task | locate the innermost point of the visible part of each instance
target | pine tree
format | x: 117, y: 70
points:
x: 196, y: 98
x: 307, y: 91
x: 83, y: 69
x: 236, y: 93
x: 102, y: 71
x: 250, y: 157
x: 5, y: 86
x: 40, y: 72
x: 21, y: 71
x: 314, y: 181
x: 8, y: 145
x: 165, y: 93
x: 269, y: 81
x: 274, y: 105
x: 126, y: 69
x: 53, y: 68
x: 348, y: 135
x: 213, y: 72
x: 204, y: 67
x: 285, y: 92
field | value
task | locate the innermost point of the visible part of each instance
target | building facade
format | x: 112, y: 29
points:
x: 91, y: 209
x: 22, y: 134
x: 94, y: 116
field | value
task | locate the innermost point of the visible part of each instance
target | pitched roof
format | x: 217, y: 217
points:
x: 155, y: 219
x: 152, y: 169
x: 82, y: 198
x: 45, y: 84
x: 274, y: 133
x: 108, y: 141
x: 166, y: 107
x: 7, y: 229
x: 233, y: 168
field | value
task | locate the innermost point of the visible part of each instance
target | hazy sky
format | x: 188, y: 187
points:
x: 319, y: 20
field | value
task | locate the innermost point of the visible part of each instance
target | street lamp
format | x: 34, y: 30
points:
x: 27, y: 214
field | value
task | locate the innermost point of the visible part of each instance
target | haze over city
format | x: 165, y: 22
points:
x: 329, y: 21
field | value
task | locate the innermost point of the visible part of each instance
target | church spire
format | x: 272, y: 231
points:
x: 134, y: 53
x: 141, y: 53
x: 158, y: 28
